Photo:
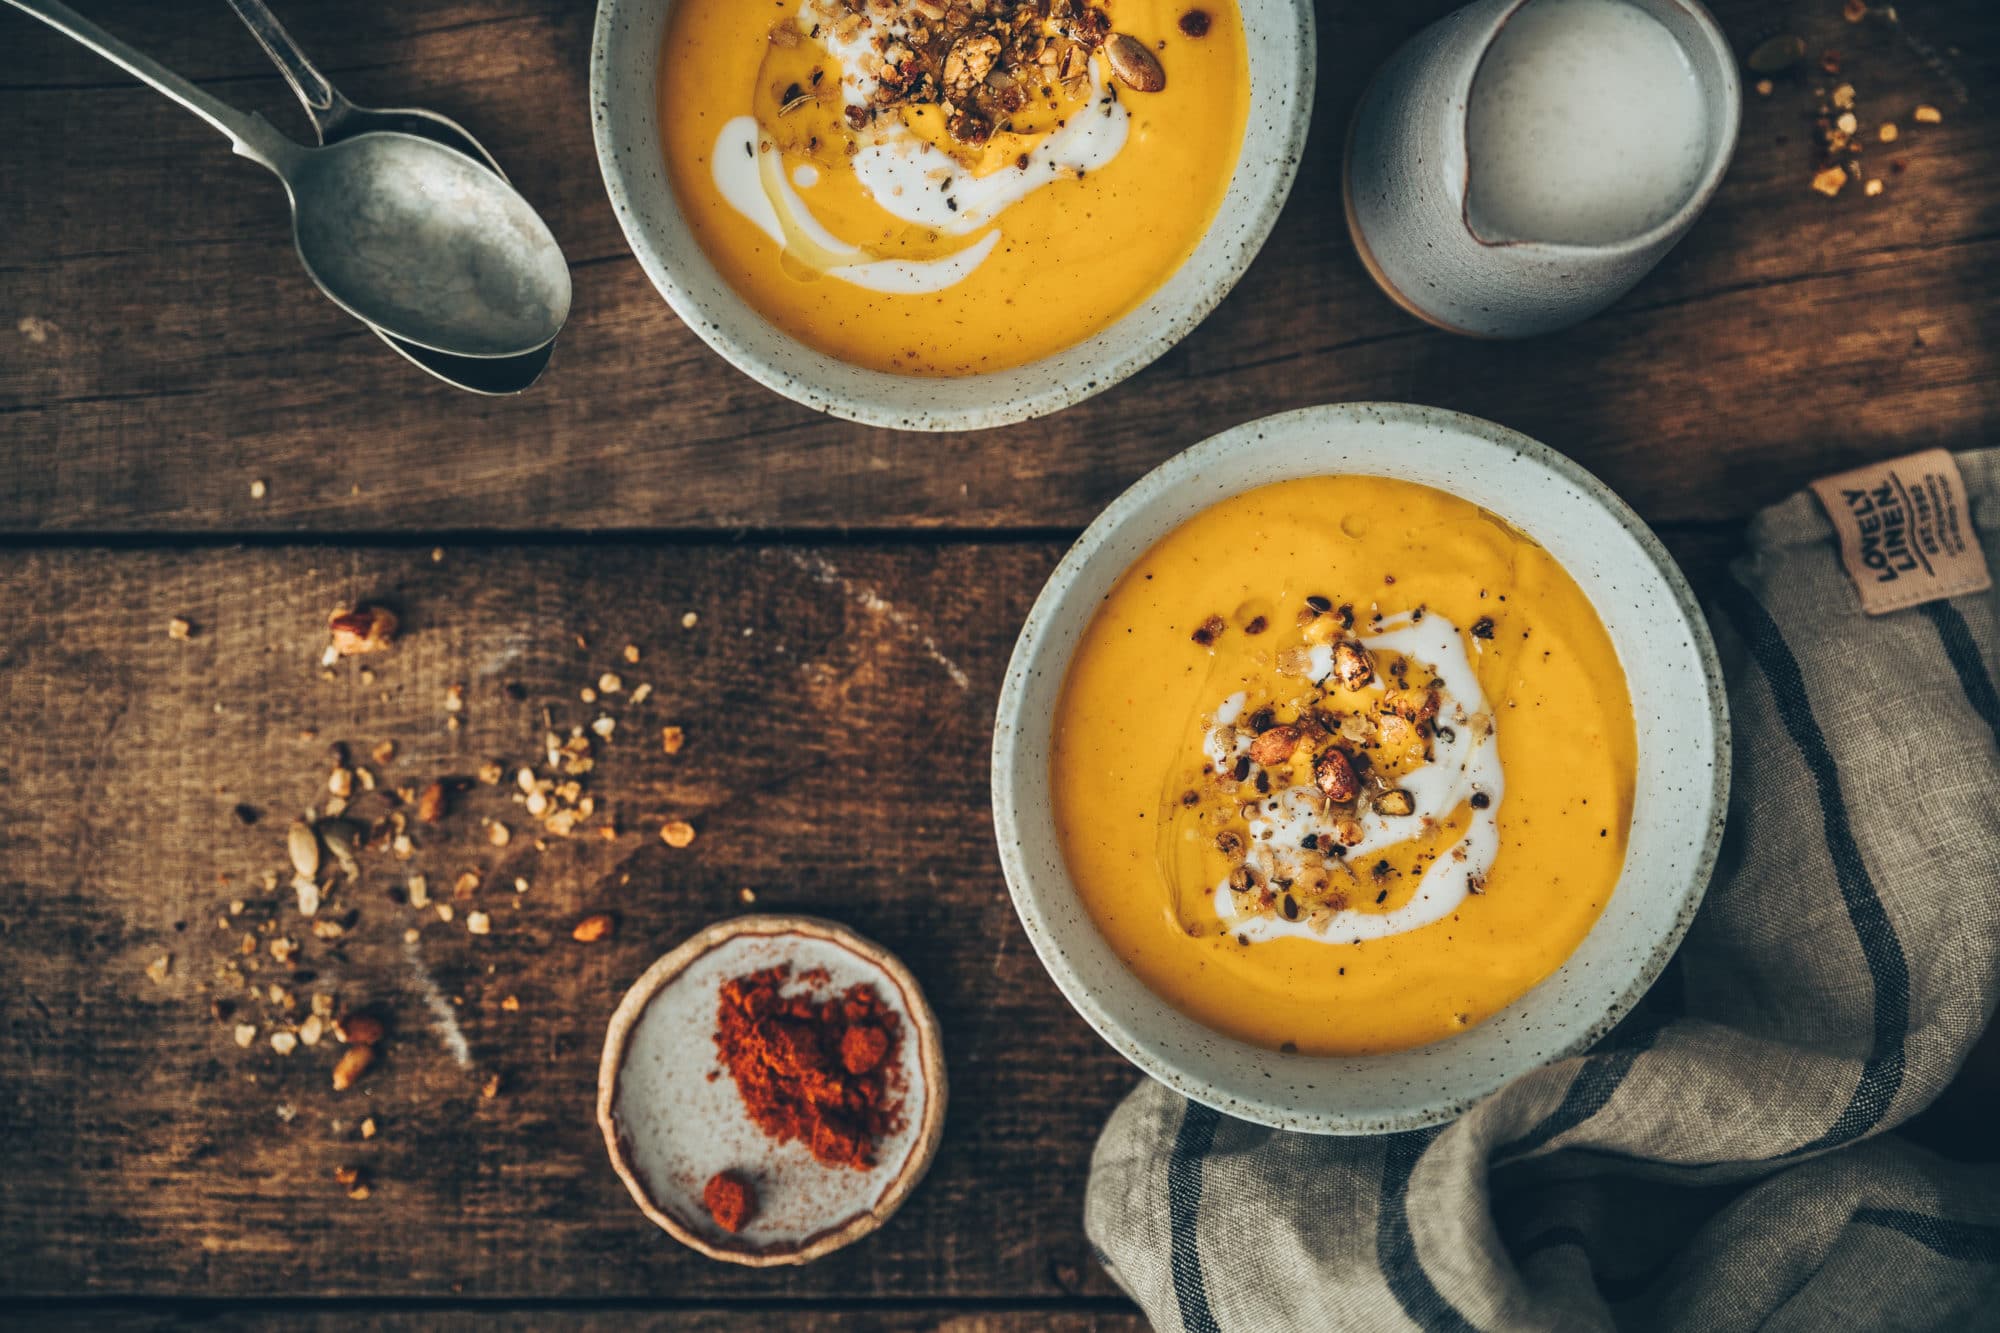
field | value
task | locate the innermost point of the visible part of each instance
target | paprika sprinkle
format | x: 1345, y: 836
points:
x: 730, y: 1200
x: 825, y: 1073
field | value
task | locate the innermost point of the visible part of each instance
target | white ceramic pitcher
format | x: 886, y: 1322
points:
x: 1406, y: 176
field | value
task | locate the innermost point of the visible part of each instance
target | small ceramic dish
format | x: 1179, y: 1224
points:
x: 624, y: 69
x: 674, y: 1123
x: 1680, y: 717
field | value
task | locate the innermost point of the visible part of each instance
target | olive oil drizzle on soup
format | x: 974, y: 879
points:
x: 1344, y: 765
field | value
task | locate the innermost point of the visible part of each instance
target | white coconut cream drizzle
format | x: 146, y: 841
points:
x: 1465, y: 757
x: 910, y: 179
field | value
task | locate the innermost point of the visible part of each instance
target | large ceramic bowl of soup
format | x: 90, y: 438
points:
x: 1357, y: 761
x: 932, y: 215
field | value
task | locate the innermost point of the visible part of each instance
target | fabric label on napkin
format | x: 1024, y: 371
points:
x: 1906, y: 532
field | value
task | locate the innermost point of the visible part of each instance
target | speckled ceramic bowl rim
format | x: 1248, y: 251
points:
x: 930, y: 1059
x: 896, y: 401
x: 1206, y: 458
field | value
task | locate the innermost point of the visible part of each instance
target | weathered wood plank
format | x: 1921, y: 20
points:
x: 834, y: 763
x: 837, y: 706
x: 182, y: 353
x: 638, y: 1317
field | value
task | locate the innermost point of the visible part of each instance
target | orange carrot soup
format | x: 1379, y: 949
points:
x: 947, y: 187
x: 1344, y: 765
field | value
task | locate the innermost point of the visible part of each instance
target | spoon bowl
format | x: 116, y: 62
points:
x: 428, y: 244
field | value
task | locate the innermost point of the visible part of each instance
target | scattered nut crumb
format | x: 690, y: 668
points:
x: 353, y: 1063
x: 1888, y: 132
x: 593, y: 928
x: 245, y: 1034
x: 180, y: 628
x: 512, y: 1004
x: 478, y: 923
x: 362, y: 629
x: 1927, y: 115
x: 631, y: 652
x: 491, y: 1087
x: 610, y: 683
x: 257, y: 490
x: 747, y: 894
x: 284, y: 1043
x: 1764, y: 87
x: 499, y: 834
x: 672, y: 739
x: 677, y: 833
x: 1830, y: 181
x: 430, y: 803
x: 689, y: 620
x: 1872, y: 188
x: 160, y: 968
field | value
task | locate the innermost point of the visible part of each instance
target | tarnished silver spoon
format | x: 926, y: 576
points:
x: 401, y: 232
x: 335, y: 118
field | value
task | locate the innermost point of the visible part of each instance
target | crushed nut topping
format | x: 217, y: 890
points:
x: 980, y: 62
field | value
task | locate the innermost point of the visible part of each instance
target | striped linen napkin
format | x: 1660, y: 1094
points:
x: 1724, y: 1159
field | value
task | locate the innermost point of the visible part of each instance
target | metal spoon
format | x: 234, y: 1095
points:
x: 335, y: 118
x: 400, y: 232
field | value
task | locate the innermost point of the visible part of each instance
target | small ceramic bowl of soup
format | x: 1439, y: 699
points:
x: 1357, y: 761
x: 935, y: 215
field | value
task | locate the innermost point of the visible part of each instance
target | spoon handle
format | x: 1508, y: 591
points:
x: 321, y: 99
x: 251, y: 135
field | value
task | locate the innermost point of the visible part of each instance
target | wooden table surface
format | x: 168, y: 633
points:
x: 856, y: 593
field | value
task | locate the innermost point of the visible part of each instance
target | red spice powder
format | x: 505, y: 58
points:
x: 823, y: 1072
x: 730, y: 1200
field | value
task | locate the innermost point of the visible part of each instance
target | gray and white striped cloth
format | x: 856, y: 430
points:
x: 1725, y: 1158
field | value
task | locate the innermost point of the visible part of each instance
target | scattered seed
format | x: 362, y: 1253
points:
x: 1777, y: 54
x: 303, y: 845
x: 353, y: 1063
x: 1134, y: 63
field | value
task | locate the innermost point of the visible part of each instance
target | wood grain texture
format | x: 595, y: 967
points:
x: 182, y: 353
x: 833, y: 763
x: 332, y: 1317
x: 837, y: 704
